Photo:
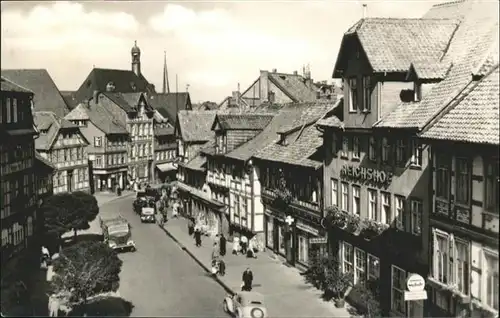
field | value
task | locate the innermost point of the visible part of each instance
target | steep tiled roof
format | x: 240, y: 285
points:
x: 196, y: 125
x: 120, y: 100
x: 391, y: 45
x: 475, y: 118
x: 196, y: 163
x: 168, y: 104
x: 100, y: 116
x: 47, y: 96
x: 294, y: 86
x: 470, y: 46
x: 247, y: 121
x: 125, y: 81
x: 301, y: 145
x: 42, y: 162
x: 8, y: 86
x: 293, y: 114
x: 429, y: 71
x: 48, y: 120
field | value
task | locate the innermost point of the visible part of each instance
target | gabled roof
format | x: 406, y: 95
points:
x: 168, y: 104
x: 197, y: 163
x: 286, y: 118
x: 391, y: 45
x: 8, y: 86
x: 428, y: 71
x: 125, y: 81
x: 100, y: 116
x: 51, y: 122
x: 47, y: 96
x: 248, y: 121
x: 467, y: 51
x: 474, y: 118
x: 294, y: 86
x: 195, y: 125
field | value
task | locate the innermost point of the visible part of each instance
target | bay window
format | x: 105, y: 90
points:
x: 345, y: 146
x: 491, y: 286
x: 386, y: 208
x: 353, y: 95
x: 443, y: 164
x: 335, y: 190
x: 416, y: 216
x: 372, y: 205
x: 347, y: 258
x: 360, y: 264
x: 491, y: 202
x: 400, y: 212
x: 398, y: 287
x: 356, y: 151
x: 372, y: 149
x: 345, y: 197
x: 386, y: 150
x: 356, y: 200
x: 463, y: 180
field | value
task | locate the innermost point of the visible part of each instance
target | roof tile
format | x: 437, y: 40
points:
x: 246, y: 121
x: 196, y: 125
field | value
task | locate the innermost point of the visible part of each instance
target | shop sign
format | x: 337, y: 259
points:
x: 415, y: 295
x: 415, y: 282
x: 306, y: 228
x: 366, y: 174
x: 318, y: 240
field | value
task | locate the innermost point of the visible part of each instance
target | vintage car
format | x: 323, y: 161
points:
x: 148, y: 214
x: 245, y: 305
x: 117, y: 233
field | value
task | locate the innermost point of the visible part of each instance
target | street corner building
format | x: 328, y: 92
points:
x: 401, y: 207
x: 20, y: 173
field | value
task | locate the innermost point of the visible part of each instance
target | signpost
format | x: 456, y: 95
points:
x: 416, y: 288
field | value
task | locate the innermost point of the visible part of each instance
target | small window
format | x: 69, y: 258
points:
x: 356, y: 148
x: 400, y: 152
x: 463, y: 181
x: 353, y: 94
x: 416, y: 217
x: 345, y: 146
x: 98, y: 141
x: 386, y: 150
x: 356, y: 200
x: 416, y: 153
x: 372, y: 149
x: 335, y: 144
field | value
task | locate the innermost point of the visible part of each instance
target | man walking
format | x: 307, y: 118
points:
x: 247, y: 280
x: 197, y: 237
x: 244, y: 244
x: 222, y: 245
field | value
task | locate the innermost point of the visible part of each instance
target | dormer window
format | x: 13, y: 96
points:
x: 417, y: 90
x: 353, y: 95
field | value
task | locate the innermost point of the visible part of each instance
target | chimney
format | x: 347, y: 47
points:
x: 295, y: 73
x: 365, y: 6
x: 264, y: 86
x: 95, y: 96
x: 275, y: 70
x: 236, y: 97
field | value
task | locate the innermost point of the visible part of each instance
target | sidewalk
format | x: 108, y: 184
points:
x: 286, y: 293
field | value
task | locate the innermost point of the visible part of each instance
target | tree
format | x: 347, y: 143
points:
x: 69, y: 211
x: 86, y: 269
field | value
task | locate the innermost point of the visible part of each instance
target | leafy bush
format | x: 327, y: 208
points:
x: 324, y: 273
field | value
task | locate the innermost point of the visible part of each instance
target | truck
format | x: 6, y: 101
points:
x: 117, y: 233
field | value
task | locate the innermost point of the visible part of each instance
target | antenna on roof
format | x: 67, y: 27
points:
x: 365, y: 6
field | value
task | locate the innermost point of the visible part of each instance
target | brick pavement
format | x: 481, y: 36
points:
x: 286, y: 293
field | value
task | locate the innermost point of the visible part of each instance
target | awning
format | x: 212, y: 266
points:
x: 164, y: 167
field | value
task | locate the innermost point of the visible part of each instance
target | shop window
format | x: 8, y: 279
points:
x: 491, y: 277
x: 270, y: 233
x: 303, y: 249
x: 463, y: 183
x: 398, y: 287
x: 360, y: 264
x: 372, y: 205
x: 345, y: 197
x: 356, y: 200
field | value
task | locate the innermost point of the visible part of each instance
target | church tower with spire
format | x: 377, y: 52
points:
x: 166, y: 85
x: 136, y: 59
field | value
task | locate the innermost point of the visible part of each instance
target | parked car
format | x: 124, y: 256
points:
x: 245, y: 305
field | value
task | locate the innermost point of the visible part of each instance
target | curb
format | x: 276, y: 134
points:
x: 197, y: 260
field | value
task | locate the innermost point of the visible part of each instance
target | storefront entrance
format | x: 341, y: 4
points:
x: 280, y: 238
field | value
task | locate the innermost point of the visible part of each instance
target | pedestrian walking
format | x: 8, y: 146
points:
x: 247, y: 280
x: 244, y: 244
x: 197, y: 237
x: 215, y: 251
x: 251, y: 249
x: 236, y: 246
x: 222, y: 245
x: 191, y: 226
x: 175, y: 210
x: 215, y: 268
x: 222, y: 267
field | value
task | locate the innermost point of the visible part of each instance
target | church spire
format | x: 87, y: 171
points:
x: 166, y: 85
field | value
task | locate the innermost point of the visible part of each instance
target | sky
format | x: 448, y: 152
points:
x: 211, y: 46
